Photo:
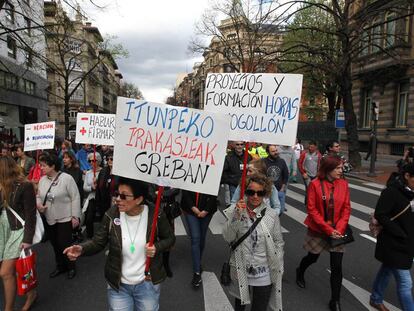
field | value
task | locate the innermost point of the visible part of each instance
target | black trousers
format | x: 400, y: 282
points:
x: 336, y: 271
x: 90, y: 218
x: 60, y: 235
x: 261, y: 296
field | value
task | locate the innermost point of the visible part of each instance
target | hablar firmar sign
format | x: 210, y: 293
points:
x: 262, y: 107
x: 95, y: 128
x: 170, y: 146
x: 39, y: 136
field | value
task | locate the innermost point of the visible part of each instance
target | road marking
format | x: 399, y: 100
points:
x: 217, y: 222
x: 368, y: 237
x: 375, y: 185
x: 353, y: 221
x: 179, y: 228
x: 364, y: 189
x: 363, y: 296
x: 284, y: 230
x: 295, y: 214
x: 214, y: 297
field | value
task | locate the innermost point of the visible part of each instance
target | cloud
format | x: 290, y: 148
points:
x: 156, y: 34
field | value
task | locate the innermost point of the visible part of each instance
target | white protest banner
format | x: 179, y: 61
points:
x: 38, y: 136
x: 95, y: 128
x: 170, y: 146
x: 263, y: 107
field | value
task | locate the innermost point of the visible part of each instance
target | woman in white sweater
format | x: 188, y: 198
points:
x: 60, y: 202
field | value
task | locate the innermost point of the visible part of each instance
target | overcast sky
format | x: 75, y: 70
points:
x: 156, y: 34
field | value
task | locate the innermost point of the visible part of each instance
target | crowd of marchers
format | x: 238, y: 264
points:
x: 73, y: 188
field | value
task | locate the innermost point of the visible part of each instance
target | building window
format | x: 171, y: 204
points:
x: 11, y: 81
x: 74, y: 46
x: 29, y: 87
x: 11, y: 47
x: 231, y: 36
x: 376, y: 35
x: 28, y: 26
x: 9, y: 8
x: 366, y: 106
x: 389, y: 29
x: 73, y: 113
x: 402, y: 104
x: 29, y: 58
x: 365, y: 38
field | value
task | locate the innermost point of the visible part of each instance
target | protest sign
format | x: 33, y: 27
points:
x: 38, y: 136
x: 95, y: 128
x: 170, y: 146
x: 263, y: 107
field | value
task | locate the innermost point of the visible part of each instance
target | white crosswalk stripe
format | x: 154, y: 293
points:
x: 179, y: 228
x: 217, y: 222
x: 375, y: 185
x: 356, y: 187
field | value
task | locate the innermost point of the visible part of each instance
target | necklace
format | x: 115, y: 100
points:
x: 132, y: 246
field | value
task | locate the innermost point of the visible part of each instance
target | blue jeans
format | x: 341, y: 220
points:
x: 198, y: 232
x: 144, y: 296
x: 232, y: 189
x: 404, y: 286
x: 282, y: 199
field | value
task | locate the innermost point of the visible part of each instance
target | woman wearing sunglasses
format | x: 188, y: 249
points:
x: 126, y: 228
x: 89, y: 188
x: 257, y: 263
x: 329, y: 186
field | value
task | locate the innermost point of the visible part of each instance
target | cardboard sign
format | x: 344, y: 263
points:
x: 170, y: 146
x: 263, y: 107
x: 38, y: 136
x: 95, y: 128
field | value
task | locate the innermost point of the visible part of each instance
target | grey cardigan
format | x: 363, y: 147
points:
x: 271, y: 228
x: 66, y: 198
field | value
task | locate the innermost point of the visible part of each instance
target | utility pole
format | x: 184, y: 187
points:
x: 375, y: 114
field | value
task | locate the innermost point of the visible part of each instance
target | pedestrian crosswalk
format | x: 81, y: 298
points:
x: 296, y: 210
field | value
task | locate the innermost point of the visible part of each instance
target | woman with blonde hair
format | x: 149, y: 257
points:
x: 256, y: 264
x: 16, y: 196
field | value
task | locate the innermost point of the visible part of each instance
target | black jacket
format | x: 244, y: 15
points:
x: 395, y: 243
x: 111, y: 234
x: 107, y: 184
x: 277, y: 171
x: 233, y: 168
x: 76, y: 173
x: 206, y: 202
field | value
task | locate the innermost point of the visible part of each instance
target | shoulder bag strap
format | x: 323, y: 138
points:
x: 325, y: 207
x: 234, y: 245
x: 13, y: 211
x: 400, y: 213
x: 50, y: 187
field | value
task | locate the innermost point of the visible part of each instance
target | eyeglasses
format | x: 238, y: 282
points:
x: 122, y: 196
x: 260, y: 193
x: 90, y: 161
x: 110, y: 159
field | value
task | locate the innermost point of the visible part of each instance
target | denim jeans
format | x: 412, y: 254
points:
x: 144, y: 296
x: 282, y: 199
x: 232, y: 189
x: 404, y: 286
x: 198, y: 232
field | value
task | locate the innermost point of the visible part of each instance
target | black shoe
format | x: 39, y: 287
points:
x: 196, y: 281
x: 334, y: 305
x: 56, y: 273
x: 71, y: 274
x: 300, y: 278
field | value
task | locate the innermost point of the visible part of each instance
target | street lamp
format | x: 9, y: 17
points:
x: 375, y: 114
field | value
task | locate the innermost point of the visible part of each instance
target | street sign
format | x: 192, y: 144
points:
x: 339, y: 118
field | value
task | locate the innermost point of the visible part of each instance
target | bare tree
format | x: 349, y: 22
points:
x: 130, y: 90
x: 244, y: 32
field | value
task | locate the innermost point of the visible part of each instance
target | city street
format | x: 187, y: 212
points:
x: 88, y: 290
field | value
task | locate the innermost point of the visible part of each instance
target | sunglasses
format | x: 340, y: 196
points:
x: 110, y: 159
x: 90, y: 161
x: 122, y: 196
x: 260, y: 193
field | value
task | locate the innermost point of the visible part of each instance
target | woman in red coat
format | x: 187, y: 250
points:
x: 321, y: 226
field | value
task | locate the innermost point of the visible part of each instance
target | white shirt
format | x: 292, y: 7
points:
x: 133, y: 263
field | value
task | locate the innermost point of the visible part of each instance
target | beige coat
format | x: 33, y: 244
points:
x: 271, y: 228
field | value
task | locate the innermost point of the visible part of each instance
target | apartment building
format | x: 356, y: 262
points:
x: 23, y: 79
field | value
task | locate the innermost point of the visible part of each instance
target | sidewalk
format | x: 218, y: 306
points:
x: 384, y: 166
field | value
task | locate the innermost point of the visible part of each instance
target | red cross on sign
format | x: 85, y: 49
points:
x: 83, y: 131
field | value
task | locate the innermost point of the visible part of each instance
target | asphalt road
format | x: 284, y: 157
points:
x: 87, y: 291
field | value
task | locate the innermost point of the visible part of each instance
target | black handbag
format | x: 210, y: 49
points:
x: 172, y: 209
x: 225, y: 277
x: 348, y: 236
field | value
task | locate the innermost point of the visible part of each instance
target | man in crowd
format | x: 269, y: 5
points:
x: 309, y: 163
x: 277, y: 171
x: 82, y: 157
x: 287, y: 154
x: 233, y: 167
